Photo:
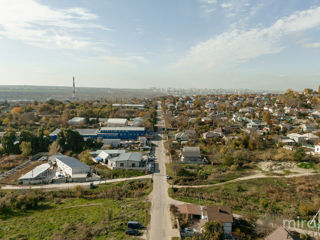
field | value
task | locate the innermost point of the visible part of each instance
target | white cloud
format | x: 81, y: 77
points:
x: 209, y: 1
x: 226, y: 5
x: 40, y: 25
x: 312, y: 45
x: 238, y: 46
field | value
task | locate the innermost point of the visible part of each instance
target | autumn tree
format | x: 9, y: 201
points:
x: 8, y: 143
x: 25, y: 148
x: 54, y: 148
x: 213, y: 231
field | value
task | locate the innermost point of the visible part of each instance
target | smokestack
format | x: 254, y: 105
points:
x: 74, y: 89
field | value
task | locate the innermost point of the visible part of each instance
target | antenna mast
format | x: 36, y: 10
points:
x: 74, y: 89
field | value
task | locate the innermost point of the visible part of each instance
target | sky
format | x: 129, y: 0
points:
x: 254, y: 44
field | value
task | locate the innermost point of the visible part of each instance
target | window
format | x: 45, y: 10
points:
x: 133, y: 164
x: 121, y: 164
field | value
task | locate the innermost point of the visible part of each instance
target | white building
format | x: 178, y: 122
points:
x: 302, y: 138
x: 70, y: 166
x: 37, y: 175
x: 76, y: 121
x: 117, y: 122
x: 129, y: 160
x: 105, y: 155
x: 317, y: 149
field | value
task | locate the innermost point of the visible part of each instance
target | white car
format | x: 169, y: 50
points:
x: 188, y: 232
x: 43, y: 158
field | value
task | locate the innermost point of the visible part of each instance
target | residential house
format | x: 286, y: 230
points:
x: 298, y: 138
x: 186, y: 135
x: 310, y: 137
x: 181, y: 136
x: 191, y: 211
x: 304, y: 138
x: 209, y: 135
x: 285, y: 126
x: 221, y: 214
x: 206, y: 120
x: 191, y: 155
x: 129, y: 160
x: 308, y: 127
x: 105, y: 155
x: 317, y: 148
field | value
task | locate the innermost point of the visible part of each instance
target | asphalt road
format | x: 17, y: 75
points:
x: 160, y: 226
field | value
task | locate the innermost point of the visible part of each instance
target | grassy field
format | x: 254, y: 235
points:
x: 281, y: 197
x: 198, y: 174
x: 106, y: 173
x: 101, y: 213
x: 9, y: 162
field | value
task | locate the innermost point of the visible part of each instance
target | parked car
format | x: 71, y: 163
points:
x: 188, y: 232
x: 132, y: 232
x: 135, y: 225
x: 43, y: 158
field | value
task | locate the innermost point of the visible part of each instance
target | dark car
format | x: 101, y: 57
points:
x: 132, y: 232
x: 135, y: 225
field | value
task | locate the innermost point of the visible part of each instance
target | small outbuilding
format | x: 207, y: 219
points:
x: 39, y: 174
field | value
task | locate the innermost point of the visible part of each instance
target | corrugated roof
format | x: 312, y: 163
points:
x: 70, y: 161
x: 77, y: 119
x: 55, y: 132
x: 87, y: 131
x: 36, y: 171
x: 117, y: 120
x: 132, y: 156
x: 191, y: 151
x: 122, y: 129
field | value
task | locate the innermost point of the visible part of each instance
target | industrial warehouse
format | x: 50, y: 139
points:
x: 59, y: 169
x: 122, y: 133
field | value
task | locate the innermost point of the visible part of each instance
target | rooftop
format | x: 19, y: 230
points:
x: 36, y: 171
x: 87, y: 131
x: 122, y: 129
x: 132, y: 156
x: 70, y: 161
x: 117, y: 120
x: 189, y: 209
x: 219, y: 213
x: 77, y: 119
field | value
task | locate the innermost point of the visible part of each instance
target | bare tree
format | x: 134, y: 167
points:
x: 54, y: 148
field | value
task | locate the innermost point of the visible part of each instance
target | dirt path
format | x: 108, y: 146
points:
x: 71, y: 185
x: 255, y: 176
x: 83, y: 205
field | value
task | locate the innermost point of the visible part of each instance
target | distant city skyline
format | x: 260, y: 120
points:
x: 229, y: 44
